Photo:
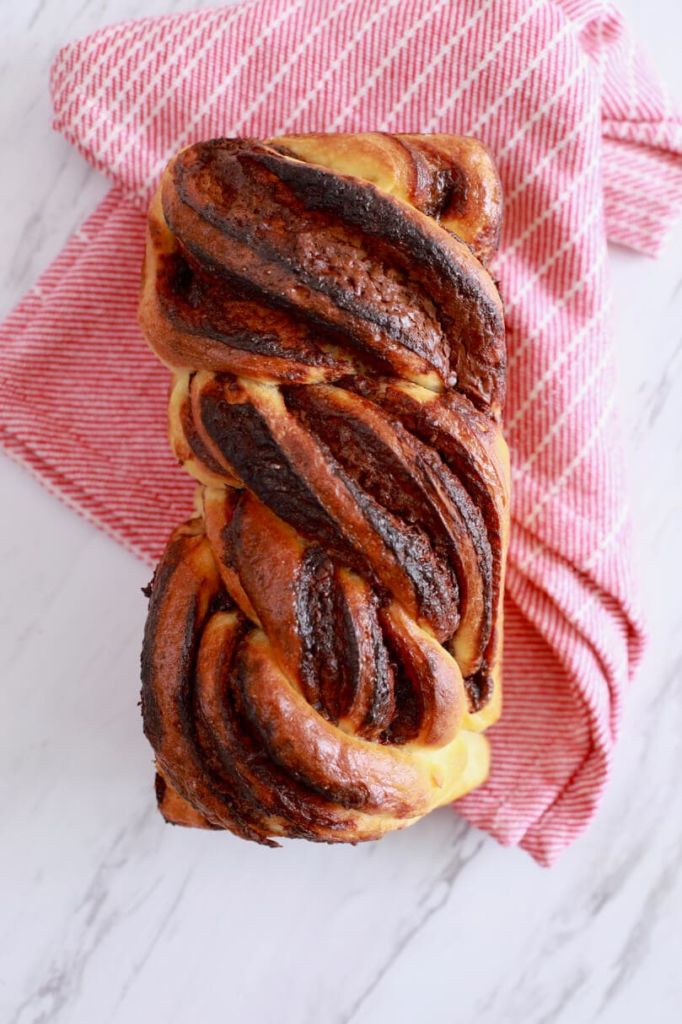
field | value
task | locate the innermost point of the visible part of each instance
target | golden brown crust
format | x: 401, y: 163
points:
x: 323, y: 644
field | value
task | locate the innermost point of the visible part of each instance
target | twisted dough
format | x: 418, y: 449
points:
x: 323, y: 643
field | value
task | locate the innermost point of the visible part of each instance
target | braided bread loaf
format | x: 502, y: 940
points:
x: 322, y: 650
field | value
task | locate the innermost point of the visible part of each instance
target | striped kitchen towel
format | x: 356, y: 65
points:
x: 588, y: 147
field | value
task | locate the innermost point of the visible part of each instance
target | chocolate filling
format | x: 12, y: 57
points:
x: 337, y: 253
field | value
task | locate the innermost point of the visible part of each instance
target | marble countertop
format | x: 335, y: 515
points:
x: 109, y: 916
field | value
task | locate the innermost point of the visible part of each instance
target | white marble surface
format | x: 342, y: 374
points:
x: 106, y: 915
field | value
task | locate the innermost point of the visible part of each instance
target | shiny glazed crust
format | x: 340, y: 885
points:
x: 322, y: 651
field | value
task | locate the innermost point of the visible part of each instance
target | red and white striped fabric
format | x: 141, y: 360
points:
x: 587, y: 146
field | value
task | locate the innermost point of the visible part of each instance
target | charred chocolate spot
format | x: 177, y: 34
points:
x: 382, y: 706
x: 194, y: 440
x: 160, y: 787
x: 152, y: 719
x: 409, y: 706
x: 315, y: 601
x: 243, y: 437
x: 222, y: 602
x: 433, y: 585
x: 475, y: 527
x: 479, y: 688
x: 450, y: 192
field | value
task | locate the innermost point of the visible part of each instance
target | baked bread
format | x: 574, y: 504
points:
x: 322, y: 650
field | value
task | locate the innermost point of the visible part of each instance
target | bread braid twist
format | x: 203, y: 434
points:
x: 323, y: 643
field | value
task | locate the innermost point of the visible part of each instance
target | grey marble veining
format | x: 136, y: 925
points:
x: 108, y: 916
